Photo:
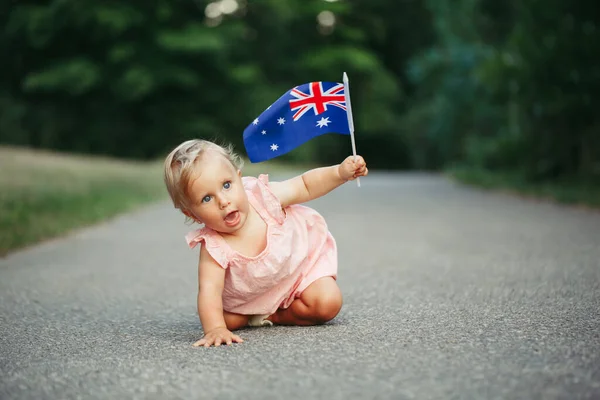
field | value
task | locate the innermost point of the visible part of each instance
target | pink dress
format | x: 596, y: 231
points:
x: 300, y: 249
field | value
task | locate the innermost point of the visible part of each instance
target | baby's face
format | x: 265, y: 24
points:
x: 217, y: 195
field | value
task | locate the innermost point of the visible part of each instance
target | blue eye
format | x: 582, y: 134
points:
x: 206, y: 199
x: 227, y: 185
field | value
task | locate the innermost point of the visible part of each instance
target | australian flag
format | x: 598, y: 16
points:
x: 302, y: 113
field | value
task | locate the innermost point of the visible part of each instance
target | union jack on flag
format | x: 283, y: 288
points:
x: 316, y: 99
x: 289, y: 122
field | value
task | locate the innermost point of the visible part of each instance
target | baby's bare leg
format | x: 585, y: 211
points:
x: 235, y: 321
x: 319, y: 303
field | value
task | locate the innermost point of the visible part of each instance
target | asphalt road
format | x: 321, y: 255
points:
x: 449, y: 292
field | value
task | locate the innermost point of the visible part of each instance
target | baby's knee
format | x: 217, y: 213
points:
x: 327, y: 306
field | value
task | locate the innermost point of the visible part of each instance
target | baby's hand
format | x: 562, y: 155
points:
x: 217, y: 337
x: 350, y: 169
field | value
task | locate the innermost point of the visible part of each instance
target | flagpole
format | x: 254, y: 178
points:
x: 350, y: 120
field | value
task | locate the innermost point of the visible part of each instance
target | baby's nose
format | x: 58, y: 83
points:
x: 223, y: 201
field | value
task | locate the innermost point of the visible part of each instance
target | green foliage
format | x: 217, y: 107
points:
x: 507, y: 86
x: 76, y: 76
x: 134, y: 79
x: 194, y: 38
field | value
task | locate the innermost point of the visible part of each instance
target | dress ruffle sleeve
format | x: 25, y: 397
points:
x: 212, y: 243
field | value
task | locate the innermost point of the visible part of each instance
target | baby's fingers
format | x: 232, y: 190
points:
x: 218, y: 340
x: 237, y: 339
x: 206, y: 342
x: 359, y: 161
x: 232, y: 339
x: 361, y: 172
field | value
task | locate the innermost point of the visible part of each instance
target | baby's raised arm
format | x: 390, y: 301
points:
x: 318, y: 182
x: 211, y: 279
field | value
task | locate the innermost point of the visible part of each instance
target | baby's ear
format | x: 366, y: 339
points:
x: 240, y: 173
x: 190, y: 215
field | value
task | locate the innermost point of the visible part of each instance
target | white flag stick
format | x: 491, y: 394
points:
x: 350, y: 120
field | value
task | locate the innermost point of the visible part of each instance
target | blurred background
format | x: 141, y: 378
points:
x: 478, y: 87
x: 496, y: 84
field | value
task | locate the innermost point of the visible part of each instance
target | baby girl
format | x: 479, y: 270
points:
x: 265, y: 259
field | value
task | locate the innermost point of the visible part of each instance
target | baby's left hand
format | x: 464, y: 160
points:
x: 350, y: 169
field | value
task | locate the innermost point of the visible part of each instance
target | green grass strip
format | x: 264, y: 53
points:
x: 44, y: 194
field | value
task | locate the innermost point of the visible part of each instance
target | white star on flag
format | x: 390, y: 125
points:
x: 274, y: 147
x: 264, y: 132
x: 323, y: 122
x: 281, y: 121
x: 255, y: 122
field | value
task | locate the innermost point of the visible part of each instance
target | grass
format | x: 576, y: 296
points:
x: 46, y: 194
x: 572, y: 192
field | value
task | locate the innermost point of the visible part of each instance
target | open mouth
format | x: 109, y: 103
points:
x: 232, y: 218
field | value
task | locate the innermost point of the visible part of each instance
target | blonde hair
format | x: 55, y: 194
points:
x: 180, y: 166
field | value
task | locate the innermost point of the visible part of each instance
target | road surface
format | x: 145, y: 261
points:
x: 449, y: 292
